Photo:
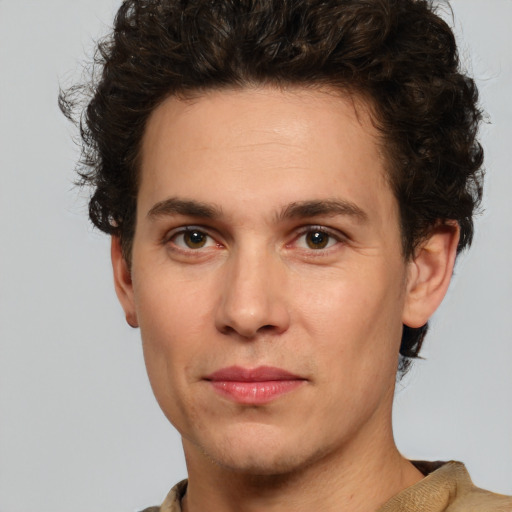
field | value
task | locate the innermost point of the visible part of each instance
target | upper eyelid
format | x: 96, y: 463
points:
x: 168, y: 240
x: 339, y: 237
x: 215, y: 235
x: 336, y: 233
x: 187, y: 227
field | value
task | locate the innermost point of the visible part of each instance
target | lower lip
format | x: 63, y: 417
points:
x: 255, y: 393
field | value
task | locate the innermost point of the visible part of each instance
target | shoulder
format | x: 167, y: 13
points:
x: 447, y: 487
x: 480, y: 500
x: 172, y: 502
x: 470, y: 498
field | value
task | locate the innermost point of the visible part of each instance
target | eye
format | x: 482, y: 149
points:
x: 192, y: 239
x: 316, y: 239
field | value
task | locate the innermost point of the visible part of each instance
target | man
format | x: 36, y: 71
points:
x: 287, y: 185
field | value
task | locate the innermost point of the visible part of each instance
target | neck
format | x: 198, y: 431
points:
x: 359, y: 478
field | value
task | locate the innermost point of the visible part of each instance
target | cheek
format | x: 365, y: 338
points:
x: 171, y: 323
x: 170, y: 307
x: 355, y: 317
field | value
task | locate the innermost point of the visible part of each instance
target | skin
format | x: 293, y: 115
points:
x: 255, y: 291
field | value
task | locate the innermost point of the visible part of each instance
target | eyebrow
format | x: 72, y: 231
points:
x: 191, y: 208
x: 327, y: 207
x: 299, y: 209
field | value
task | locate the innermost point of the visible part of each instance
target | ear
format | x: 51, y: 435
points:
x: 123, y: 281
x: 429, y: 274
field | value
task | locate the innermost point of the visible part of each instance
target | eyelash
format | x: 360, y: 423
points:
x: 332, y: 235
x: 334, y: 238
x: 171, y: 237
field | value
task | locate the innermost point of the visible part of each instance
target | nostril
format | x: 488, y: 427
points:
x: 247, y: 333
x: 227, y: 329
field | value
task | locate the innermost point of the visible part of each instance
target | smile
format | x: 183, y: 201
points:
x: 253, y: 386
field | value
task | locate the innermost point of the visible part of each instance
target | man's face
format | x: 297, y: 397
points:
x: 267, y: 276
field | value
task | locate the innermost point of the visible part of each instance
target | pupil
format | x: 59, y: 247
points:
x: 317, y: 240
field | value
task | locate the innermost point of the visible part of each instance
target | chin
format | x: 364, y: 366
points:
x: 258, y: 465
x: 259, y: 455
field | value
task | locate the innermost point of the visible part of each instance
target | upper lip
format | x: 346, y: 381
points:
x: 259, y: 374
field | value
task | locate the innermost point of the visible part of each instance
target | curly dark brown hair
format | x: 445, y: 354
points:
x: 398, y: 54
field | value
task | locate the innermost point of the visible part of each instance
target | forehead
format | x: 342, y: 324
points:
x: 234, y: 146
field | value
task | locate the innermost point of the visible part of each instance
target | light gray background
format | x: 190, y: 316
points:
x: 79, y: 428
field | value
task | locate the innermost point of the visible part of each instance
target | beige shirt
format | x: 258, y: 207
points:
x: 446, y: 487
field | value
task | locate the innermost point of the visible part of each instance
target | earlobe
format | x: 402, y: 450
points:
x: 429, y: 274
x: 123, y: 282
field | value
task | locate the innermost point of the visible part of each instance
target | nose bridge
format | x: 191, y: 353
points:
x: 253, y: 294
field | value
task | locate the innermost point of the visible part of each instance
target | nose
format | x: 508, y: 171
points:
x: 253, y: 299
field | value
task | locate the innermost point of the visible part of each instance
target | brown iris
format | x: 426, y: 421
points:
x: 194, y: 239
x: 317, y: 239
